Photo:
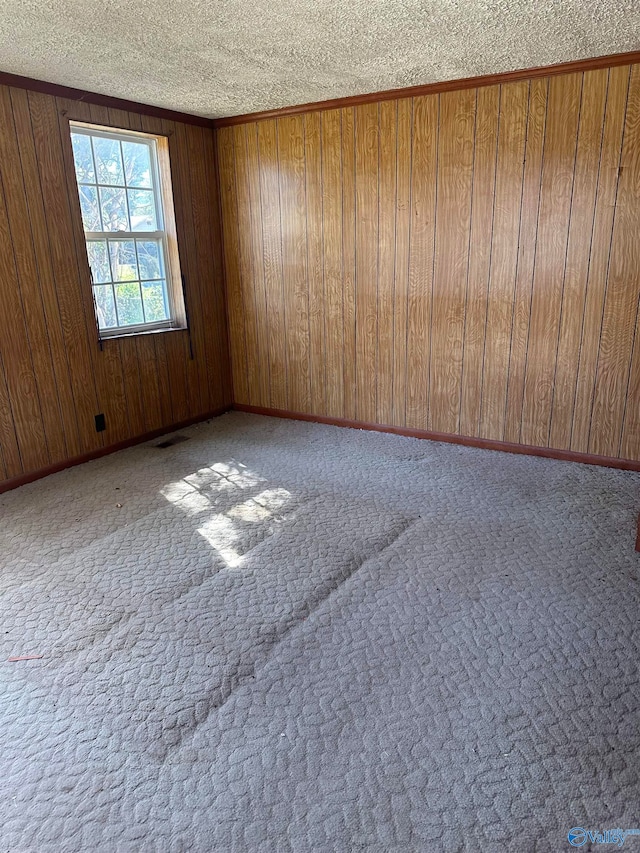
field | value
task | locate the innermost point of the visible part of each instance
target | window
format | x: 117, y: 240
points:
x: 123, y: 179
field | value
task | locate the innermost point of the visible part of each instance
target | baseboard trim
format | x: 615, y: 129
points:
x: 449, y: 438
x: 467, y: 441
x: 32, y: 476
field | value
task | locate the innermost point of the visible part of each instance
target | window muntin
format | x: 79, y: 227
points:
x: 122, y: 213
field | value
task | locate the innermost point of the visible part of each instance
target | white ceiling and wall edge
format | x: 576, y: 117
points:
x: 231, y: 57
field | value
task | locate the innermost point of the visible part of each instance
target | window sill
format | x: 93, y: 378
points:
x: 140, y: 333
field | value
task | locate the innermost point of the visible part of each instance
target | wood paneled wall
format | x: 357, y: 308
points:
x: 467, y: 262
x: 53, y: 376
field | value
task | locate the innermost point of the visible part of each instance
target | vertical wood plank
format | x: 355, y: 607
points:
x: 366, y: 132
x: 349, y: 259
x: 536, y: 123
x: 401, y: 266
x: 590, y: 137
x: 261, y: 297
x: 600, y: 253
x: 18, y: 367
x: 62, y: 228
x: 455, y: 174
x: 228, y: 198
x: 386, y: 257
x: 40, y: 236
x: 623, y: 292
x: 482, y: 210
x: 181, y: 345
x: 630, y: 442
x: 11, y: 461
x: 424, y: 189
x: 332, y: 254
x: 148, y: 374
x: 514, y: 102
x: 315, y: 261
x: 248, y: 273
x: 29, y: 281
x: 218, y: 331
x: 204, y: 201
x: 271, y: 230
x: 182, y: 376
x: 553, y: 226
x: 294, y: 258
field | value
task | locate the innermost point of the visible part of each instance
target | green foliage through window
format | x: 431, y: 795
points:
x: 121, y: 214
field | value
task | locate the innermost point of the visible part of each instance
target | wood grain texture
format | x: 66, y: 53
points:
x: 315, y: 259
x: 387, y: 177
x: 401, y: 266
x: 587, y: 167
x: 257, y: 246
x: 556, y: 192
x: 249, y: 273
x: 291, y: 152
x: 482, y: 214
x: 531, y: 193
x: 54, y: 378
x: 422, y: 229
x: 269, y: 170
x: 454, y: 178
x: 367, y: 186
x: 9, y: 450
x: 622, y: 293
x: 231, y: 242
x: 65, y: 281
x: 349, y: 261
x: 332, y: 255
x: 471, y: 266
x: 514, y: 99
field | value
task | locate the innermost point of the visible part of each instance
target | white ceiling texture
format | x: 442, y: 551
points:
x: 234, y: 56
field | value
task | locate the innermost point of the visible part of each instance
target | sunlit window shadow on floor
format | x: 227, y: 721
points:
x: 233, y: 527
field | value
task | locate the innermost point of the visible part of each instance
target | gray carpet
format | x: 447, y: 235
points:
x: 279, y: 636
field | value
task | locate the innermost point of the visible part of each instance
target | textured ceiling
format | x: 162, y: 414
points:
x: 237, y: 56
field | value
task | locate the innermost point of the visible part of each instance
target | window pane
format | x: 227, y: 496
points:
x: 129, y: 303
x: 82, y: 157
x: 89, y: 207
x: 108, y: 160
x: 113, y: 204
x: 99, y: 261
x: 143, y: 210
x: 123, y: 260
x: 149, y: 259
x: 105, y: 308
x: 137, y: 165
x: 117, y: 173
x: 155, y: 305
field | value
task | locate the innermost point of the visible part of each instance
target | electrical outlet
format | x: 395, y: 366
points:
x: 100, y: 423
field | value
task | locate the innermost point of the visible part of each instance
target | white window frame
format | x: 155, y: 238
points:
x: 161, y: 185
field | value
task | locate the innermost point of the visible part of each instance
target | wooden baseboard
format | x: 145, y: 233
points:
x: 23, y: 479
x: 467, y: 441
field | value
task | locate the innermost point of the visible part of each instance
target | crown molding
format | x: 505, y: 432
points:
x: 574, y: 67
